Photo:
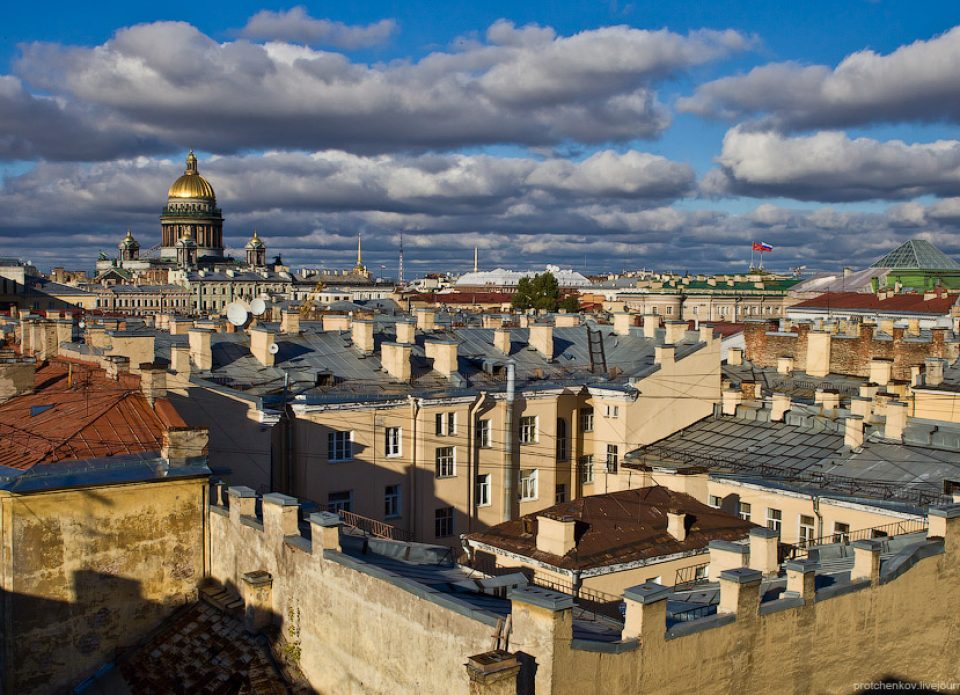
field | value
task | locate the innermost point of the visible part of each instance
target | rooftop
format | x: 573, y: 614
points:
x: 77, y: 413
x: 917, y: 254
x: 618, y: 528
x: 907, y: 303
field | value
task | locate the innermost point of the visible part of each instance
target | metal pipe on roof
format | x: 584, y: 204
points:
x: 473, y: 448
x: 510, y: 475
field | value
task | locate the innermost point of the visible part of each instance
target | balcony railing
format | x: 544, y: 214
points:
x: 897, y: 528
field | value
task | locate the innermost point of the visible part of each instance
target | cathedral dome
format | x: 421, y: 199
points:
x: 129, y: 242
x: 191, y: 184
x: 254, y: 243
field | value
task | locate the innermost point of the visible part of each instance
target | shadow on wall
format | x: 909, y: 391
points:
x: 52, y: 644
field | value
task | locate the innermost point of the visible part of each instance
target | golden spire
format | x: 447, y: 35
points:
x: 359, y: 256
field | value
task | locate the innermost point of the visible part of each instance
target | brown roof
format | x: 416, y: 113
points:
x: 908, y: 302
x: 619, y: 527
x: 86, y: 416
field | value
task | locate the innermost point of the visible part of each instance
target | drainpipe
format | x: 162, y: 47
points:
x: 415, y: 418
x: 816, y: 511
x: 509, y: 475
x: 473, y: 455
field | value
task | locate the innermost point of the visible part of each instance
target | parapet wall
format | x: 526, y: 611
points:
x: 847, y: 353
x: 360, y: 628
x: 357, y: 627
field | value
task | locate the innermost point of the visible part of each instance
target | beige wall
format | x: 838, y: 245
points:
x: 86, y: 571
x: 936, y: 405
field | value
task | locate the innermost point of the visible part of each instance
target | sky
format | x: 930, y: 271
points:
x: 595, y: 135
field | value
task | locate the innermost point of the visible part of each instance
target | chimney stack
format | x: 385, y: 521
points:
x: 261, y: 342
x: 896, y: 420
x: 395, y: 358
x: 735, y: 356
x: 556, y: 536
x: 363, y: 336
x: 426, y: 319
x: 444, y: 355
x: 853, y: 432
x: 16, y: 376
x: 501, y: 340
x: 541, y: 338
x: 933, y: 371
x: 406, y: 332
x: 677, y: 524
x: 153, y: 382
x: 183, y: 443
x: 290, y: 322
x: 201, y: 352
x: 622, y: 322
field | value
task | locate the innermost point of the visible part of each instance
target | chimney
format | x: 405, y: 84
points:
x: 880, y: 370
x: 95, y: 336
x: 763, y: 550
x: 395, y: 358
x: 932, y: 371
x: 261, y: 342
x: 183, y: 443
x: 489, y: 321
x: 916, y: 372
x: 731, y: 399
x: 64, y: 331
x: 179, y: 326
x: 115, y: 365
x: 829, y: 399
x: 651, y: 322
x: 676, y: 331
x: 336, y: 322
x: 784, y: 365
x: 290, y: 322
x: 664, y: 355
x: 363, y: 336
x: 556, y: 536
x: 622, y: 322
x: 853, y: 432
x: 426, y: 319
x: 201, y: 352
x: 16, y: 377
x: 779, y: 407
x: 501, y: 340
x: 735, y: 356
x: 406, y: 332
x: 444, y: 355
x: 677, y: 524
x: 886, y: 326
x: 180, y: 359
x: 541, y: 338
x: 153, y: 382
x: 818, y: 353
x: 861, y: 406
x: 567, y: 320
x: 896, y: 420
x: 706, y: 334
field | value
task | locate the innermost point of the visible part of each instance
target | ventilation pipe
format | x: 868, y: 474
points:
x: 510, y: 474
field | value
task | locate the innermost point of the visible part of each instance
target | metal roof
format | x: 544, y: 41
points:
x: 917, y: 254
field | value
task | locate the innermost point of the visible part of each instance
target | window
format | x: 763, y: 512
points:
x: 561, y: 439
x: 696, y: 310
x: 340, y: 501
x: 446, y: 424
x: 446, y: 461
x: 669, y: 309
x: 443, y: 522
x: 484, y: 434
x: 393, y: 437
x: 391, y: 501
x: 743, y: 510
x: 611, y: 411
x: 586, y: 419
x: 528, y: 429
x: 483, y: 490
x: 561, y: 493
x: 700, y: 572
x: 806, y: 530
x: 714, y: 501
x: 613, y: 458
x: 339, y: 446
x: 586, y: 469
x: 841, y: 532
x: 528, y: 484
x: 774, y: 519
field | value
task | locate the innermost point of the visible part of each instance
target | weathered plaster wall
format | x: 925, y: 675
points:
x: 88, y: 570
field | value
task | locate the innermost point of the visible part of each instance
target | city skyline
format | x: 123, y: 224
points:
x: 616, y: 137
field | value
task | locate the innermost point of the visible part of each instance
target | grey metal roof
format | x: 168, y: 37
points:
x: 807, y: 454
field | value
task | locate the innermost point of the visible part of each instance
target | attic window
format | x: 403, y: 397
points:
x: 38, y: 409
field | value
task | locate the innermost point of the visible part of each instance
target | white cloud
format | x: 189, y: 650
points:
x: 296, y: 26
x: 916, y: 82
x: 829, y: 166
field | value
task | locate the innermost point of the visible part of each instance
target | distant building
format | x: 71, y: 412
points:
x: 506, y: 281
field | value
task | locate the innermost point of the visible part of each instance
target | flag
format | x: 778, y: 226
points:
x: 762, y: 247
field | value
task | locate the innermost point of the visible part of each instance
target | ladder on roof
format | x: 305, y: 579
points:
x: 598, y: 360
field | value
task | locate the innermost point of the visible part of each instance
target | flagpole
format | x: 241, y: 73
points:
x: 751, y: 257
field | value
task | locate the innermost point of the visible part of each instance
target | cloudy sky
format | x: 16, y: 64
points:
x: 597, y: 135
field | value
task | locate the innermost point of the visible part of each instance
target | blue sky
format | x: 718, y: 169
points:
x: 627, y: 133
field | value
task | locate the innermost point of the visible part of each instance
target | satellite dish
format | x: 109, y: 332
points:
x: 237, y: 314
x: 257, y: 307
x: 273, y: 349
x: 82, y: 325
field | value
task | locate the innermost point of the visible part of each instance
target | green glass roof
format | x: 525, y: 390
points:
x: 917, y: 254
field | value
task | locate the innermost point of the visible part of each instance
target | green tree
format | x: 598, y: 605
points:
x: 542, y: 292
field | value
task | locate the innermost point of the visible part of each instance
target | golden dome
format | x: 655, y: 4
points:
x: 191, y: 184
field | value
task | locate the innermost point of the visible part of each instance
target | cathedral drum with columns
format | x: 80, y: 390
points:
x: 192, y: 212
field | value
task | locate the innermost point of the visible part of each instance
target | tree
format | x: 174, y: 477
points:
x: 541, y: 292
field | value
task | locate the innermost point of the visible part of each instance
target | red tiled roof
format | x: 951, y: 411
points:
x: 93, y: 417
x: 619, y: 527
x: 906, y: 302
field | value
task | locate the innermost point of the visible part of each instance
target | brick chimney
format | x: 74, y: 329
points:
x: 406, y: 332
x: 261, y: 340
x: 932, y: 371
x: 651, y: 322
x: 201, y: 352
x: 675, y: 331
x: 363, y: 336
x: 677, y: 524
x: 183, y: 443
x: 784, y: 365
x: 395, y: 358
x: 541, y: 338
x: 290, y: 322
x: 779, y: 407
x: 426, y: 319
x: 896, y: 420
x: 501, y: 340
x: 153, y: 382
x: 444, y: 355
x: 16, y: 376
x: 735, y: 356
x: 853, y: 432
x: 556, y: 536
x: 881, y: 370
x: 622, y: 322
